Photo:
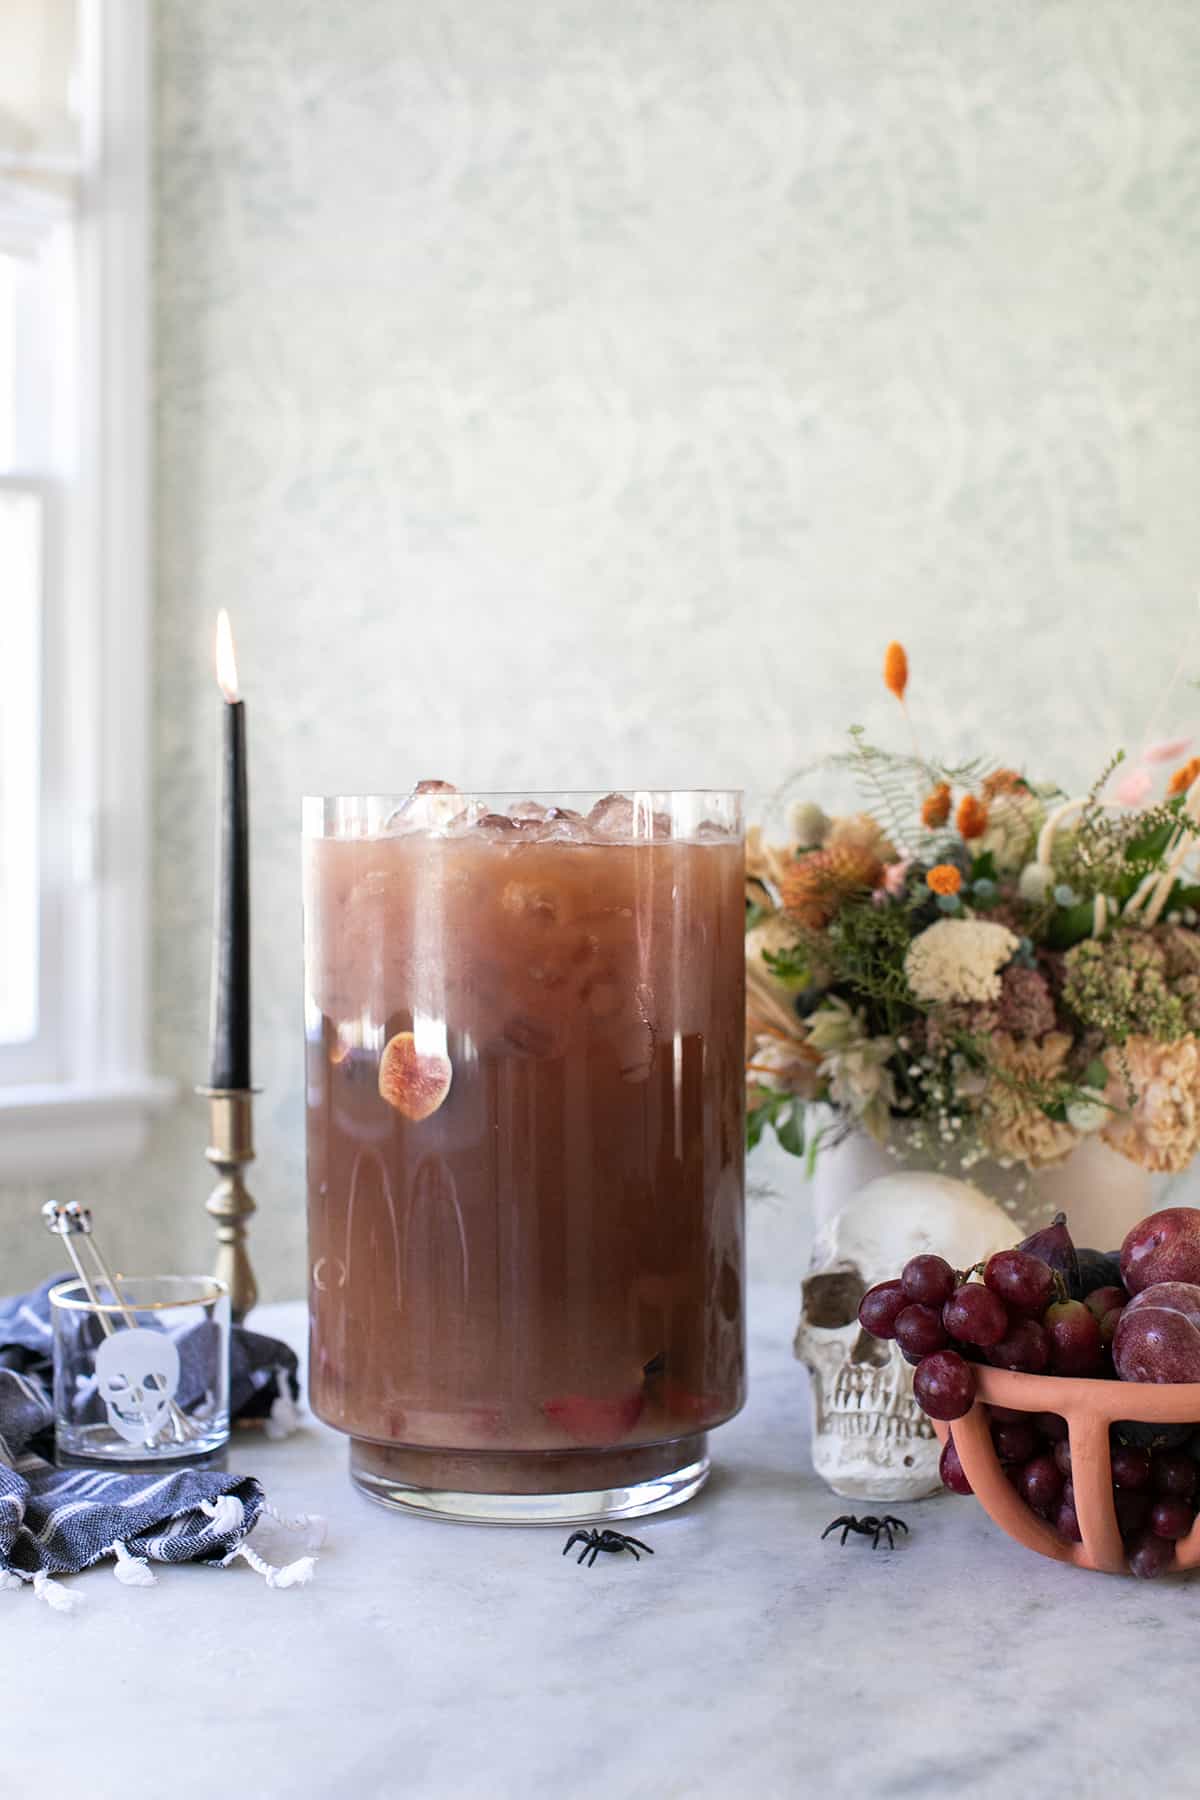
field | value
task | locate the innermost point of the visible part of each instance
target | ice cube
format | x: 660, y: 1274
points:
x: 496, y: 825
x: 566, y: 827
x: 432, y: 806
x: 465, y: 822
x: 619, y: 819
x: 548, y: 824
x: 612, y: 817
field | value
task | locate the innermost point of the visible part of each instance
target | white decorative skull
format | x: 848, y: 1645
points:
x: 137, y: 1373
x: 871, y: 1441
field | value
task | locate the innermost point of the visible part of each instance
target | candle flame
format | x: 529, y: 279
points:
x: 227, y: 678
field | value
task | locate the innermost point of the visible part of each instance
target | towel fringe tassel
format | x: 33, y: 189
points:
x: 133, y: 1571
x: 293, y: 1574
x: 53, y: 1593
x: 226, y: 1513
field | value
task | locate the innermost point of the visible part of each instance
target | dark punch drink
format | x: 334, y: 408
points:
x: 525, y: 1094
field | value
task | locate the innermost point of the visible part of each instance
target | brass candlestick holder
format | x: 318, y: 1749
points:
x: 231, y: 1147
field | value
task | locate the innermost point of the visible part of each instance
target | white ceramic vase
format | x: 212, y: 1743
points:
x: 1102, y: 1194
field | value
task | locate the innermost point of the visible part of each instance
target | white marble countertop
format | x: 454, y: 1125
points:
x: 746, y: 1658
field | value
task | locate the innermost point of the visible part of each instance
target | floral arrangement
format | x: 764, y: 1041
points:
x: 978, y: 963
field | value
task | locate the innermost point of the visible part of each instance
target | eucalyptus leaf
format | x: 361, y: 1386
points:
x: 1150, y: 845
x: 1070, y: 925
x: 791, y: 1132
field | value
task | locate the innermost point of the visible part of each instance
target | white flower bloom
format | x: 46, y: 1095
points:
x: 959, y: 959
x: 1088, y: 1115
x: 834, y: 1026
x: 772, y: 1062
x: 1012, y: 827
x: 1036, y: 881
x: 858, y: 1075
x: 855, y: 1065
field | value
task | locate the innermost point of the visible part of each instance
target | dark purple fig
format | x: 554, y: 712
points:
x: 1053, y: 1245
x: 1098, y: 1269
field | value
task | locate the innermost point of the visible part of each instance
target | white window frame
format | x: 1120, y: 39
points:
x: 96, y: 1108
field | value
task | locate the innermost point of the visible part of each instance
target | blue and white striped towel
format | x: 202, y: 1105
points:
x: 61, y: 1521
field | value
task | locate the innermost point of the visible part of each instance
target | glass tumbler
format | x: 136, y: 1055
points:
x: 525, y: 1092
x: 141, y: 1376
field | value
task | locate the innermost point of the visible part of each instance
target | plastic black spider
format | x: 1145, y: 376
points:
x: 596, y: 1541
x: 869, y: 1527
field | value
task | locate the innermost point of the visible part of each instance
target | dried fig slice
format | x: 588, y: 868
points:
x: 414, y: 1081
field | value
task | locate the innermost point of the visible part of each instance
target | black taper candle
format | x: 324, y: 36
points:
x: 229, y: 1033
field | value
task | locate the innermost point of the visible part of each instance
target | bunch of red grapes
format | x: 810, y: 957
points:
x: 1046, y: 1308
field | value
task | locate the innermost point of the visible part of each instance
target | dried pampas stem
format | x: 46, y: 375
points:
x: 1183, y: 846
x: 1059, y: 817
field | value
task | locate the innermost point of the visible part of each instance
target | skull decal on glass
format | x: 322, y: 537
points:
x: 870, y: 1440
x: 137, y: 1374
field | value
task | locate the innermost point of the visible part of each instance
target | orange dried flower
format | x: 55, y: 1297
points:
x: 1183, y: 778
x: 944, y: 878
x: 935, y: 807
x: 814, y: 885
x: 1002, y: 781
x: 972, y: 817
x: 895, y: 670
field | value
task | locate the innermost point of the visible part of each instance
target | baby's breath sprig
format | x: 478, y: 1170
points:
x: 1051, y: 1097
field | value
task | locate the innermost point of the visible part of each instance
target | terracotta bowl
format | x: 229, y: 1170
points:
x: 1089, y: 1408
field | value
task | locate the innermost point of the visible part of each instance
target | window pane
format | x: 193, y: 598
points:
x: 20, y: 723
x: 8, y: 349
x: 37, y: 76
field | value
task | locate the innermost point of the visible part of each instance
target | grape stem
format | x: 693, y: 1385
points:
x: 1061, y: 1290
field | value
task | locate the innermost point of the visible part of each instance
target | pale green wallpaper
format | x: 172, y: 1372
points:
x: 573, y: 393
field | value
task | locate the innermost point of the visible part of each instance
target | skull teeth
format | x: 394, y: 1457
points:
x: 853, y: 1387
x: 873, y: 1424
x: 864, y: 1404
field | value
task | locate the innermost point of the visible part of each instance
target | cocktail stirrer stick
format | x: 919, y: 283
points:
x: 70, y: 1221
x: 60, y: 1223
x: 80, y: 1219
